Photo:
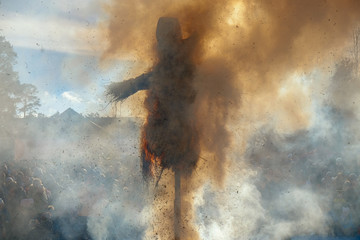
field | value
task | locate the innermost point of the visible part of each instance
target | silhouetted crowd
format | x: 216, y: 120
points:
x: 30, y: 209
x: 343, y: 190
x: 337, y: 187
x: 24, y: 201
x: 26, y: 210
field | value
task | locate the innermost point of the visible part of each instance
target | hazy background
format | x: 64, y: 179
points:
x: 278, y: 106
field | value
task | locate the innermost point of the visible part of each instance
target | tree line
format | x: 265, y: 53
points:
x: 16, y: 98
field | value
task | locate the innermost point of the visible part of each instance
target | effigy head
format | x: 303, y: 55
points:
x: 168, y: 34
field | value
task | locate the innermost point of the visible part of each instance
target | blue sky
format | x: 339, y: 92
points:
x: 59, y: 46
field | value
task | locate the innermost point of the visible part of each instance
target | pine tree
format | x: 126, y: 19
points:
x: 29, y: 102
x: 9, y: 84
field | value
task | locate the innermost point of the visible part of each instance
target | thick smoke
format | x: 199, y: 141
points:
x: 277, y: 133
x: 243, y: 47
x: 91, y: 176
x: 249, y: 59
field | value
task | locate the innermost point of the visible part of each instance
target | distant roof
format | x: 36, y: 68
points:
x: 70, y: 111
x: 70, y: 114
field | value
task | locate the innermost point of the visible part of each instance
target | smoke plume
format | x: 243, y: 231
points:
x: 246, y: 67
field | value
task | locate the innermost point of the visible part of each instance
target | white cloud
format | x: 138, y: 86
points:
x: 72, y: 97
x: 47, y: 96
x: 52, y: 33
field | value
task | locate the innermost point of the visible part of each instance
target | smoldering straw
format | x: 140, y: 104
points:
x: 169, y: 134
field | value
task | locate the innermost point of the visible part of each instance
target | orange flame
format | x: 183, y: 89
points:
x: 150, y: 160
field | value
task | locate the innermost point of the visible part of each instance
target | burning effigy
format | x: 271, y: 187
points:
x: 216, y: 82
x: 169, y: 137
x: 248, y: 125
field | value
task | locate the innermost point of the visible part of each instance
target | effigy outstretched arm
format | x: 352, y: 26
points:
x: 121, y: 90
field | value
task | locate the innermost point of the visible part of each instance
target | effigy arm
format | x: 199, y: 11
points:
x: 121, y: 90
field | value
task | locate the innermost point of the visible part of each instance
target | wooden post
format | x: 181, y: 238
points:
x: 177, y: 205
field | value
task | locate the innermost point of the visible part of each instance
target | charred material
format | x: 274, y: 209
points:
x: 122, y: 90
x: 169, y: 136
